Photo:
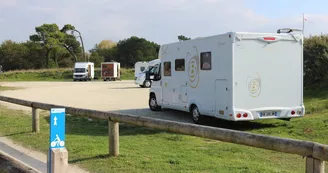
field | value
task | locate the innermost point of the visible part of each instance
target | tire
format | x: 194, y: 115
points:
x: 147, y: 84
x: 152, y: 103
x: 142, y: 86
x: 196, y: 116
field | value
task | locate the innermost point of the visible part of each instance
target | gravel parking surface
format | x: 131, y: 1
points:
x: 120, y: 96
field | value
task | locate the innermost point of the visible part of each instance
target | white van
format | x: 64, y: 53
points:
x: 236, y: 76
x: 144, y: 79
x: 139, y: 67
x: 84, y: 71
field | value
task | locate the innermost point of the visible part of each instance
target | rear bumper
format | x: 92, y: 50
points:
x: 267, y: 113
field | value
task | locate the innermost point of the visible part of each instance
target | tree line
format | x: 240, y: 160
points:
x: 54, y: 47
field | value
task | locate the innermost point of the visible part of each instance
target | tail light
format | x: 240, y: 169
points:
x: 242, y: 115
x: 293, y: 112
x: 269, y: 38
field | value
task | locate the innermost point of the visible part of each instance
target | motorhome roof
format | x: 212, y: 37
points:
x: 236, y: 32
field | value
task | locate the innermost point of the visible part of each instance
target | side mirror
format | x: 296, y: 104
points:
x: 157, y: 77
x: 147, y: 75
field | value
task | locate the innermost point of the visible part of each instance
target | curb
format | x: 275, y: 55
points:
x: 17, y: 163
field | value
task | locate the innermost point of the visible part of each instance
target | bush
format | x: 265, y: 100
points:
x: 315, y: 59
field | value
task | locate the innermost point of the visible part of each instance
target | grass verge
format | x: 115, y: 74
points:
x: 5, y: 88
x: 61, y: 74
x: 149, y: 150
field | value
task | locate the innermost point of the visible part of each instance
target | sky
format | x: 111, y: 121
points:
x: 160, y: 21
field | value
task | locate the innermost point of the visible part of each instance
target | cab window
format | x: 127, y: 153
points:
x: 167, y: 68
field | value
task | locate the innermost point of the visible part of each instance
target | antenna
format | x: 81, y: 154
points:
x: 303, y: 25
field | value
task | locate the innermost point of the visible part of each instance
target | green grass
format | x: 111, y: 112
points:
x: 5, y: 88
x: 61, y: 74
x: 149, y: 150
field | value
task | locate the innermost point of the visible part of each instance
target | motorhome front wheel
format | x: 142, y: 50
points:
x: 153, y: 103
x: 147, y: 83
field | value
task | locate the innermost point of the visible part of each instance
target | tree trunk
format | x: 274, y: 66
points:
x: 47, y: 58
x: 55, y: 59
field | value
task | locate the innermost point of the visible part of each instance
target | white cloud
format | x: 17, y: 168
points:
x: 160, y: 21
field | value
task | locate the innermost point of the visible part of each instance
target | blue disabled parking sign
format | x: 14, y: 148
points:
x: 57, y: 128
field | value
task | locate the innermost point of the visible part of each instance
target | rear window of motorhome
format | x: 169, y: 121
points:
x: 167, y: 68
x: 180, y: 65
x: 206, y: 63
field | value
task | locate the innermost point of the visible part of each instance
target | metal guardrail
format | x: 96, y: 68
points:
x: 316, y: 154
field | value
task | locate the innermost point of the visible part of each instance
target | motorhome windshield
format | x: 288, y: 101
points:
x: 147, y: 69
x: 79, y: 70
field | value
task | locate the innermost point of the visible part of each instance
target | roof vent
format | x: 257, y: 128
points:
x: 287, y: 30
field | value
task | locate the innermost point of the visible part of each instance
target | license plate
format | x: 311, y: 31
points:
x: 268, y: 114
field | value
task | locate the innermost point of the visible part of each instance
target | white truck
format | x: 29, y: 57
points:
x: 84, y: 71
x: 144, y: 79
x: 236, y: 76
x: 139, y: 67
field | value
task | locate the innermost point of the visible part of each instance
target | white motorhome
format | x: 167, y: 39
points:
x: 144, y: 79
x: 110, y: 71
x: 139, y: 67
x: 237, y: 76
x: 83, y: 71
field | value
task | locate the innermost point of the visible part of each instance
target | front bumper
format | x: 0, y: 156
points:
x: 78, y: 77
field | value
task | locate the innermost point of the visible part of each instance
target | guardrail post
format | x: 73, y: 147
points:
x: 314, y: 165
x: 113, y: 134
x: 35, y: 120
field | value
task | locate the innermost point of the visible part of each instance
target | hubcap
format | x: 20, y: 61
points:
x: 153, y: 102
x: 147, y: 84
x: 195, y: 114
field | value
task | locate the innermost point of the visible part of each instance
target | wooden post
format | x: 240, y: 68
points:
x: 35, y: 120
x: 57, y: 160
x: 314, y: 165
x: 113, y: 134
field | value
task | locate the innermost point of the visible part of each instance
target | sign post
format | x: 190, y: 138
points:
x: 57, y: 155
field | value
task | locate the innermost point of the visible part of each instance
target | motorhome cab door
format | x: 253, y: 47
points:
x: 174, y: 84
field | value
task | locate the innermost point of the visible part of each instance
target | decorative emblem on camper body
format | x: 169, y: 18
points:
x: 193, y: 67
x: 254, y: 85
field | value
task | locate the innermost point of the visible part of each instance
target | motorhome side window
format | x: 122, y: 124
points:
x: 180, y: 65
x: 205, y: 61
x: 167, y: 68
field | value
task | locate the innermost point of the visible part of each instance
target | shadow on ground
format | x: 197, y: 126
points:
x: 124, y: 88
x: 14, y: 134
x: 92, y: 127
